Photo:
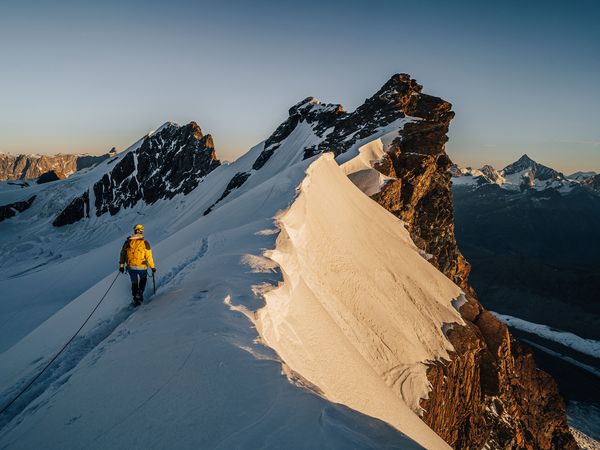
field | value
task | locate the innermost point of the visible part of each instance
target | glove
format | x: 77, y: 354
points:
x: 122, y: 269
x: 153, y: 270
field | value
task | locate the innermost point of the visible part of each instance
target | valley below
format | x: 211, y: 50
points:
x: 534, y: 256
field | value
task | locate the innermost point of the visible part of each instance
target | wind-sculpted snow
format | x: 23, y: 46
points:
x: 359, y: 306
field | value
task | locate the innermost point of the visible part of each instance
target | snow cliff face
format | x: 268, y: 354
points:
x: 369, y: 311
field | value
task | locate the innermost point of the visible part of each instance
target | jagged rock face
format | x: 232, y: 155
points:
x: 420, y: 192
x: 11, y: 210
x: 170, y: 162
x: 33, y: 166
x: 593, y: 182
x: 492, y: 393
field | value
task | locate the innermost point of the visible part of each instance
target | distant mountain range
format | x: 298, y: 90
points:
x: 524, y: 174
x: 32, y: 166
x: 532, y: 233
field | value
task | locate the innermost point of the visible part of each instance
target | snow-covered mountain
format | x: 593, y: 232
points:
x: 521, y: 175
x: 291, y: 309
x: 580, y: 176
x: 477, y: 177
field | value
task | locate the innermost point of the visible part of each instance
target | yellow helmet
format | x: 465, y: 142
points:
x: 138, y: 229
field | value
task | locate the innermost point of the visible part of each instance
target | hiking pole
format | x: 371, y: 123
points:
x: 153, y: 283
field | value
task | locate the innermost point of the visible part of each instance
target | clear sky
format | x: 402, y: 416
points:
x: 78, y: 76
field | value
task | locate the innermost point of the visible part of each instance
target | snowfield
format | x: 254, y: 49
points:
x: 297, y: 314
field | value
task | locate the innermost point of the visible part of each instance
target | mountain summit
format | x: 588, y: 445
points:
x: 532, y: 174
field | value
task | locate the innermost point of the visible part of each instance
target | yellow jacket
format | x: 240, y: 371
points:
x: 136, y: 252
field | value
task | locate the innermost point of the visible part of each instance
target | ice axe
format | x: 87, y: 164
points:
x: 153, y: 283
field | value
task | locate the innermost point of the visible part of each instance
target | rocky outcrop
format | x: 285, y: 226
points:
x: 51, y: 175
x: 593, y: 183
x: 19, y: 167
x: 11, y: 210
x: 489, y: 392
x: 75, y: 211
x: 169, y: 162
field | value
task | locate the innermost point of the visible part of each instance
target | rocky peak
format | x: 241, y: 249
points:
x: 524, y: 162
x: 492, y: 174
x: 311, y: 108
x: 399, y: 97
x: 170, y: 161
x: 537, y: 171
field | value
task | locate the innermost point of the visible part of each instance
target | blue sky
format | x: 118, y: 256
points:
x: 85, y: 76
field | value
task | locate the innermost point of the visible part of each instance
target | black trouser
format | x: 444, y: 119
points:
x: 138, y: 282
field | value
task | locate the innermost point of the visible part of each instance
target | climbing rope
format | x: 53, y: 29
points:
x: 61, y: 350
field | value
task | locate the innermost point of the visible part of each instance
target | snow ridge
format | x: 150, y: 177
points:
x: 359, y: 305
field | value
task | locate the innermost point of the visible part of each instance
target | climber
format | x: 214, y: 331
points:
x: 136, y: 253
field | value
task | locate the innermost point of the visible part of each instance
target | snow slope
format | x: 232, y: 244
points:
x: 39, y: 263
x: 331, y: 280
